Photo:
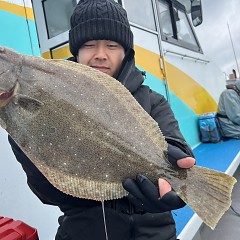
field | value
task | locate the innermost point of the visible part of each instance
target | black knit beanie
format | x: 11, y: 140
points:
x: 99, y: 20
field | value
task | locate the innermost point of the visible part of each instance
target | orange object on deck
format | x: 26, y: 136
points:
x: 16, y: 230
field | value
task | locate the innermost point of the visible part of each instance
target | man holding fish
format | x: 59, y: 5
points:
x: 100, y: 37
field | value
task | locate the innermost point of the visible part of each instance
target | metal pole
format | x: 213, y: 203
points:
x: 233, y: 49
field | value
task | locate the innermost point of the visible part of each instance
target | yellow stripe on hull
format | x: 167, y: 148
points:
x: 59, y: 53
x: 182, y: 85
x: 189, y: 91
x: 149, y: 61
x: 25, y: 12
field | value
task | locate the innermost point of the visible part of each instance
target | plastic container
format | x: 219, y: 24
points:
x: 209, y: 128
x: 16, y: 230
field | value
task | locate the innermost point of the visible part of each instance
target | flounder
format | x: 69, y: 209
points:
x: 86, y: 133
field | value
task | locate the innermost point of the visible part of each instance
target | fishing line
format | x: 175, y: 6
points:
x: 104, y: 219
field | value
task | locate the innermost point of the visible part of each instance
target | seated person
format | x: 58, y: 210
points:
x: 229, y: 111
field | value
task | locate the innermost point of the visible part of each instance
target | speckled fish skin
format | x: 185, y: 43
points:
x: 86, y: 133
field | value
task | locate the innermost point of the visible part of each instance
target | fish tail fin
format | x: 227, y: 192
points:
x: 208, y: 193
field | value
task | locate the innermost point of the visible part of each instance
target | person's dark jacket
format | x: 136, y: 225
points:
x: 83, y: 219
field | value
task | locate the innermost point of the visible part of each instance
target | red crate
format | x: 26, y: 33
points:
x: 16, y: 230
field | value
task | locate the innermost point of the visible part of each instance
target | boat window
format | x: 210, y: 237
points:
x: 184, y: 31
x: 175, y: 25
x: 141, y: 13
x: 57, y: 15
x: 165, y: 20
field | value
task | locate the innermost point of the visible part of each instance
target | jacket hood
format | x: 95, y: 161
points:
x: 129, y: 75
x: 237, y: 84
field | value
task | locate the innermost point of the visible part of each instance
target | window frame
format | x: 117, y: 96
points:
x: 174, y: 40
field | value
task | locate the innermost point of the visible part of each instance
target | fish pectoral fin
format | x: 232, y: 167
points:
x: 28, y: 103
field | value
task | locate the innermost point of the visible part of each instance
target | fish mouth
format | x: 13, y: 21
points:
x: 6, y: 96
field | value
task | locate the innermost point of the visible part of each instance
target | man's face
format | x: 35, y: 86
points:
x: 103, y: 55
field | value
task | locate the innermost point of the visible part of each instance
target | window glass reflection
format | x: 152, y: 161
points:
x: 184, y: 31
x: 165, y: 19
x: 57, y: 15
x: 141, y: 13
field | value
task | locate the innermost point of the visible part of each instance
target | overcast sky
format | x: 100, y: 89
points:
x: 214, y: 36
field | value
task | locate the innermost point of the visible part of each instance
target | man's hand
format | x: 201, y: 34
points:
x: 145, y: 195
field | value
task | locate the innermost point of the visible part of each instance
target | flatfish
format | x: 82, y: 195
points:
x: 86, y: 133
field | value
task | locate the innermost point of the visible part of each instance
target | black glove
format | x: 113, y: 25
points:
x: 145, y: 195
x: 175, y: 153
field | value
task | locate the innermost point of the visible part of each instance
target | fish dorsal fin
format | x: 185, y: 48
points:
x: 124, y: 96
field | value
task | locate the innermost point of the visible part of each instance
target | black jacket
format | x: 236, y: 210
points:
x: 82, y: 218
